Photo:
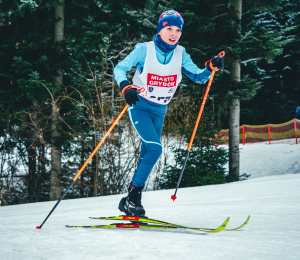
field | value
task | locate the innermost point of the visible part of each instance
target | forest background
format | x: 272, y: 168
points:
x: 58, y: 94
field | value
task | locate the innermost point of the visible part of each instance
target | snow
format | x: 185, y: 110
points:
x: 287, y: 68
x: 260, y: 71
x: 271, y: 196
x: 287, y: 55
x: 262, y: 159
x: 254, y: 60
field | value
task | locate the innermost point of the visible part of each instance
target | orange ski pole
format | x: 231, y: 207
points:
x: 86, y: 163
x: 138, y: 90
x: 221, y: 54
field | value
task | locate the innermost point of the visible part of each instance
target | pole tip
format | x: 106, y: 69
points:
x: 173, y: 197
x: 38, y: 227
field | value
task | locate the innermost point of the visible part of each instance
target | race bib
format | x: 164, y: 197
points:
x: 160, y: 88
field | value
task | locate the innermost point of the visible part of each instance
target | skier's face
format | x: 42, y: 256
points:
x: 170, y: 34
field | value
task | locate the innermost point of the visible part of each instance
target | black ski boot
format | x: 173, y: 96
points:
x: 131, y: 204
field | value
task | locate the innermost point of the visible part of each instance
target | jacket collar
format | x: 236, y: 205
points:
x: 163, y: 46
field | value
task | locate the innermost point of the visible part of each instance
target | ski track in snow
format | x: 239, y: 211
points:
x: 273, y: 231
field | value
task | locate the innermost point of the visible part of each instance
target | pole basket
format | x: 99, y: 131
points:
x: 173, y: 197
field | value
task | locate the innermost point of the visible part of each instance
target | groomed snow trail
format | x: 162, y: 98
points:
x: 272, y: 233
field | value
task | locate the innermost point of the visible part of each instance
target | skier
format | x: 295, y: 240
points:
x: 160, y: 64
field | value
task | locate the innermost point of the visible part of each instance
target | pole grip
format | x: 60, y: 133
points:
x: 221, y: 54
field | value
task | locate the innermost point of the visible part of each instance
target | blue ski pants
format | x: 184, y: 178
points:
x: 149, y: 127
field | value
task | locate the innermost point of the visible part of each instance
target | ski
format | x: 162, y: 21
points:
x: 128, y: 226
x: 148, y: 220
x: 148, y: 226
x: 143, y: 220
x: 241, y: 226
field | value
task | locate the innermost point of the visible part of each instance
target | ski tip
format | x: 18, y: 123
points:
x: 38, y: 227
x: 248, y: 219
x: 173, y: 197
x: 223, y: 226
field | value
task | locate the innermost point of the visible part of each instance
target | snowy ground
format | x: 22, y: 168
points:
x: 262, y: 159
x: 273, y: 231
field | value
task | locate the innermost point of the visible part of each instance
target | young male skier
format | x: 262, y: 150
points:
x: 160, y: 64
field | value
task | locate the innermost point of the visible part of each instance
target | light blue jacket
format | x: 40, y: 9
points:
x: 137, y: 58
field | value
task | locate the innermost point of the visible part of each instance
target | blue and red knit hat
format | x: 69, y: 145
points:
x: 168, y: 18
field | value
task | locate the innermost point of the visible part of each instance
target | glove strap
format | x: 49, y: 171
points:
x: 210, y: 65
x: 132, y: 86
x: 126, y: 88
x: 220, y: 55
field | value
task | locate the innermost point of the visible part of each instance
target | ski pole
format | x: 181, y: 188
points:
x: 91, y: 156
x: 221, y: 54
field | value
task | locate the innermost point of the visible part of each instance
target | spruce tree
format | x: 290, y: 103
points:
x: 277, y: 100
x: 94, y: 32
x: 211, y: 27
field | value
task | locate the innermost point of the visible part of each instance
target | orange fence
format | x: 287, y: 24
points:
x: 269, y: 132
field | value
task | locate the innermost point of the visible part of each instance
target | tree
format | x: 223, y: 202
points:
x: 55, y: 189
x: 24, y: 62
x: 234, y: 115
x: 214, y: 26
x: 276, y: 102
x: 95, y: 34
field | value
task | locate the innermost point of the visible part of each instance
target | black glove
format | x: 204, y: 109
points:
x: 131, y: 96
x: 216, y: 62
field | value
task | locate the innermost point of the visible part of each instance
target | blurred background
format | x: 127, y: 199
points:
x: 58, y: 96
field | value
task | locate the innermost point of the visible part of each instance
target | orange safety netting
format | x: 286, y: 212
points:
x: 269, y: 132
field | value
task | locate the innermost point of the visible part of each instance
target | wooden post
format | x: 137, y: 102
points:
x: 269, y: 134
x: 295, y: 125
